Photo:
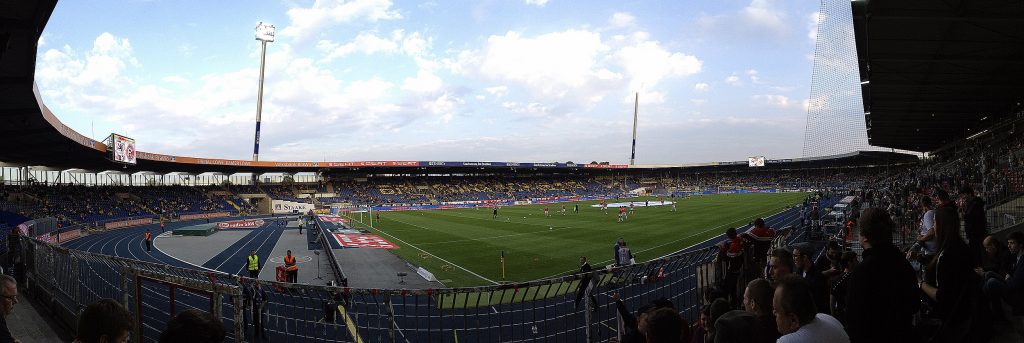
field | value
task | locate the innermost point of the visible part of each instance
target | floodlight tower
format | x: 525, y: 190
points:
x: 264, y: 34
x: 636, y: 107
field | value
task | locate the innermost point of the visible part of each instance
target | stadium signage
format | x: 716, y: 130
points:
x: 606, y: 166
x: 203, y: 215
x: 127, y: 223
x: 241, y: 224
x: 363, y: 241
x: 69, y: 235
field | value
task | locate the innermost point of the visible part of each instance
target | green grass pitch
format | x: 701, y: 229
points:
x: 462, y: 247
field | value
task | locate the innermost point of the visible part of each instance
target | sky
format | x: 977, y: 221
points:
x: 514, y: 80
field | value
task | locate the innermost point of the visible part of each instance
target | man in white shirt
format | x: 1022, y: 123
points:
x: 797, y: 317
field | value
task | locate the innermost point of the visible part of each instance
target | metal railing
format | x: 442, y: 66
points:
x: 543, y: 310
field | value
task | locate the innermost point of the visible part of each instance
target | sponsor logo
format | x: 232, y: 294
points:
x: 363, y: 241
x: 333, y: 219
x: 69, y: 235
x: 127, y: 223
x: 241, y: 224
x: 203, y: 215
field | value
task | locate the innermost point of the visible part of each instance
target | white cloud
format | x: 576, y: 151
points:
x: 538, y: 3
x: 304, y: 23
x: 550, y: 65
x: 701, y: 87
x: 773, y: 100
x: 733, y: 80
x: 761, y: 13
x: 698, y: 102
x: 753, y: 76
x: 621, y: 19
x: 760, y: 20
x: 366, y: 43
x: 812, y: 25
x: 647, y: 63
x: 218, y: 104
x: 497, y: 91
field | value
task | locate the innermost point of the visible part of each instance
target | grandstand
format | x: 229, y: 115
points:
x: 72, y: 219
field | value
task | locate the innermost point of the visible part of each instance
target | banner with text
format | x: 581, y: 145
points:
x: 241, y: 224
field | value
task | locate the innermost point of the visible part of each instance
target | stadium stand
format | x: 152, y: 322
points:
x: 979, y: 148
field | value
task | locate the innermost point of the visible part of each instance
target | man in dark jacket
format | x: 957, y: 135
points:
x: 883, y: 294
x: 585, y: 283
x: 975, y: 226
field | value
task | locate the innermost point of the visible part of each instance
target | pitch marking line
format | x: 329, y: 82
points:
x: 427, y: 252
x: 655, y: 247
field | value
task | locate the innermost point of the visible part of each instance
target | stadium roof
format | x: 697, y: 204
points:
x: 934, y: 72
x: 34, y: 136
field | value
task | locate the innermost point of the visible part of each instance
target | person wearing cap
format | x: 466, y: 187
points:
x: 975, y: 226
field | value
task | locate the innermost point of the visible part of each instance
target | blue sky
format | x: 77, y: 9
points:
x: 526, y: 80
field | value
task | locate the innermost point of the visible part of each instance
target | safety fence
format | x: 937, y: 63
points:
x: 67, y: 280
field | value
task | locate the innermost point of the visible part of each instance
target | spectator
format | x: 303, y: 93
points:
x: 586, y: 283
x: 925, y: 233
x: 1008, y: 287
x: 703, y: 322
x: 841, y: 287
x: 665, y: 325
x: 996, y: 259
x: 757, y: 299
x: 798, y: 319
x: 753, y: 324
x: 882, y: 298
x: 734, y: 263
x: 949, y: 279
x: 975, y: 225
x: 719, y: 307
x: 625, y: 255
x: 760, y: 237
x: 828, y: 263
x: 944, y: 199
x: 781, y: 264
x: 193, y: 326
x: 615, y: 251
x: 104, y: 321
x: 9, y: 290
x: 806, y: 270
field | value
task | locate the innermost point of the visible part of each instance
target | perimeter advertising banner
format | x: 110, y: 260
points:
x: 284, y: 206
x: 67, y: 236
x: 127, y: 223
x: 241, y: 224
x: 203, y: 215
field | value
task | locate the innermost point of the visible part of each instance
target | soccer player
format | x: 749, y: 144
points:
x: 604, y: 206
x: 563, y: 209
x: 546, y: 213
x: 494, y: 213
x: 630, y: 207
x: 673, y: 206
x: 576, y: 208
x: 622, y: 214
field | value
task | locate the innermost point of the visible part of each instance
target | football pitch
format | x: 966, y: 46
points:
x: 463, y: 247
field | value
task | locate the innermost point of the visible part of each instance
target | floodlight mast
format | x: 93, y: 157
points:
x: 264, y: 34
x: 636, y: 107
